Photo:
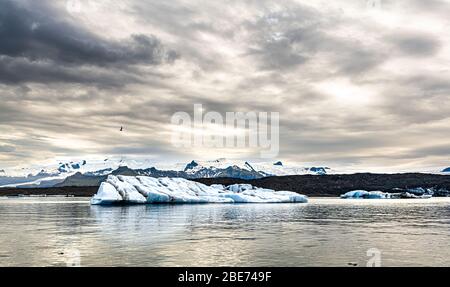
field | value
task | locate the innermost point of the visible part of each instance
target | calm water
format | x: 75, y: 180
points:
x: 325, y: 232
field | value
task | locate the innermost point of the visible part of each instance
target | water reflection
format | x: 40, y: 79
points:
x: 325, y: 232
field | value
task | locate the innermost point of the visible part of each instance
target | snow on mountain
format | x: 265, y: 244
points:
x: 70, y: 166
x: 50, y: 174
x: 263, y: 168
x: 283, y: 169
x: 223, y: 163
x: 82, y: 172
x: 93, y: 166
x: 221, y: 168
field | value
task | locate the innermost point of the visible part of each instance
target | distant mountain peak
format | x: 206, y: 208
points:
x: 319, y: 170
x: 91, y: 172
x: 191, y: 165
x: 446, y: 169
x: 70, y: 166
x: 43, y: 172
x: 124, y: 170
x: 248, y: 165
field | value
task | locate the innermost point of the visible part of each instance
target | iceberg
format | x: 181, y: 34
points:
x: 148, y: 190
x: 383, y: 195
x: 366, y: 194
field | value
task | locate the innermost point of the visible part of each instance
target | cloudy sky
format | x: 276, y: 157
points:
x: 357, y: 83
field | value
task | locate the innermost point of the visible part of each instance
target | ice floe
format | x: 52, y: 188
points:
x: 382, y: 195
x: 142, y: 190
x: 366, y: 194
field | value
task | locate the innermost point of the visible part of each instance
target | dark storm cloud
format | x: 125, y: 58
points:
x: 186, y: 24
x: 23, y: 70
x: 39, y: 45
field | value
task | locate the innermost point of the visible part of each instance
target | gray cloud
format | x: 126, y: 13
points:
x: 431, y: 7
x: 42, y: 46
x: 297, y: 36
x: 415, y: 44
x: 6, y: 149
x: 352, y: 87
x: 23, y: 70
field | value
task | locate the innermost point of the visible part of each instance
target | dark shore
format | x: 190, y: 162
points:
x: 335, y: 185
x: 310, y: 185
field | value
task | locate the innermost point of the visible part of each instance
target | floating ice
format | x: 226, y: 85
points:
x: 366, y: 194
x: 142, y: 189
x: 382, y: 195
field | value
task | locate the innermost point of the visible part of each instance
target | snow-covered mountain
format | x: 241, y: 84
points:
x: 222, y: 168
x: 49, y: 174
x: 263, y: 169
x: 91, y: 172
x: 281, y: 169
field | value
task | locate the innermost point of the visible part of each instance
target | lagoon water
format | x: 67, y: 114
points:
x: 324, y: 232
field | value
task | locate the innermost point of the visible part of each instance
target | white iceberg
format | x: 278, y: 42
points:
x: 143, y: 190
x: 382, y: 195
x: 366, y: 194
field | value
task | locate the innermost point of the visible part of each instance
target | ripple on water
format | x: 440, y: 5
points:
x: 325, y: 232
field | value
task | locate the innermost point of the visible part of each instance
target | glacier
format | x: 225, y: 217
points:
x: 147, y: 190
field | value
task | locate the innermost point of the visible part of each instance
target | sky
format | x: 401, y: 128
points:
x: 356, y: 83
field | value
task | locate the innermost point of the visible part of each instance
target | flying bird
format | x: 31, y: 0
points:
x: 121, y: 129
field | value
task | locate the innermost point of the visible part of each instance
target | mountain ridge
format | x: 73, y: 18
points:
x: 88, y: 173
x: 310, y: 185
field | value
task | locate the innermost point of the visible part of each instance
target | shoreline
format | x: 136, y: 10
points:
x: 88, y: 191
x: 82, y: 192
x: 309, y: 185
